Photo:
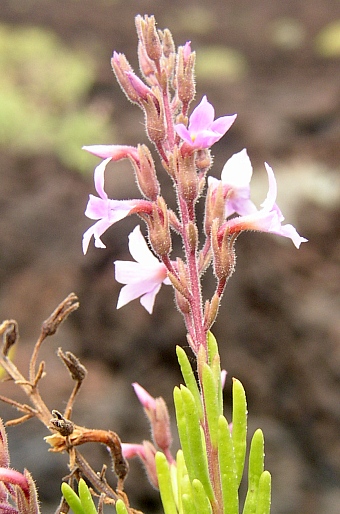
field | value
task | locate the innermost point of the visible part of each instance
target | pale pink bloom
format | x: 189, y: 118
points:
x: 203, y: 131
x: 144, y: 277
x: 235, y: 178
x: 106, y: 211
x: 267, y: 219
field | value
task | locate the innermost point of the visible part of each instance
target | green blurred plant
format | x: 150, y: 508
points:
x: 43, y: 90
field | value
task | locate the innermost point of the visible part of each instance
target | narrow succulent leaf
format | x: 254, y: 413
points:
x: 212, y: 346
x: 264, y: 494
x: 199, y: 457
x: 182, y: 431
x: 120, y: 507
x: 216, y: 369
x: 226, y: 459
x: 72, y: 499
x: 256, y: 464
x: 189, y: 378
x: 211, y: 402
x: 201, y: 500
x: 182, y: 476
x: 214, y: 361
x: 188, y: 505
x: 239, y: 430
x: 86, y: 498
x: 164, y: 482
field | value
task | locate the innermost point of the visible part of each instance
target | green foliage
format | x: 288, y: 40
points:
x: 220, y: 63
x: 193, y: 490
x: 81, y: 503
x: 327, y: 41
x: 43, y: 89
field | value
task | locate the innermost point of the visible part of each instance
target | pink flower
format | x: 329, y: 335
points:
x: 144, y: 277
x: 235, y: 177
x: 106, y: 211
x: 267, y: 219
x: 203, y: 131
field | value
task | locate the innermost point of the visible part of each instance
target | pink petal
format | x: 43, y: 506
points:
x: 237, y: 171
x: 202, y: 116
x: 115, y: 152
x: 139, y: 249
x: 223, y: 124
x: 148, y: 299
x: 270, y: 200
x: 183, y: 132
x: 99, y: 178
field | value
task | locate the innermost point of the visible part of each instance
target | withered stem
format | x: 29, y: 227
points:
x: 41, y: 410
x: 70, y: 402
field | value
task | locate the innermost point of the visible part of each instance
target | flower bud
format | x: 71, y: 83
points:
x: 185, y: 78
x: 214, y: 207
x: 211, y: 310
x: 146, y: 173
x: 147, y: 33
x: 146, y: 65
x: 182, y: 303
x: 158, y: 225
x: 154, y: 113
x: 192, y: 235
x: 186, y: 177
x: 223, y: 252
x: 121, y: 68
x: 158, y: 415
x: 141, y: 89
x: 146, y: 452
x: 167, y: 43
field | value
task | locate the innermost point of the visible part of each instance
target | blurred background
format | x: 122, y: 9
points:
x: 277, y: 64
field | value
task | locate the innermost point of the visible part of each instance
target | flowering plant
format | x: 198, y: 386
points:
x: 205, y: 474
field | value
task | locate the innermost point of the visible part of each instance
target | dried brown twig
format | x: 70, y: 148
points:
x: 66, y: 436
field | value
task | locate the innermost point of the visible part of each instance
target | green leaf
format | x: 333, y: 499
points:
x: 182, y: 431
x: 120, y: 507
x: 197, y: 449
x: 239, y: 431
x: 201, y: 500
x: 165, y: 485
x: 72, y: 499
x: 189, y: 378
x: 226, y: 459
x: 215, y: 364
x: 86, y: 498
x: 188, y: 504
x: 212, y: 346
x: 264, y: 494
x: 256, y: 464
x: 210, y: 389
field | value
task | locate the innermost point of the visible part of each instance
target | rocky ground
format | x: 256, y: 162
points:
x: 279, y: 324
